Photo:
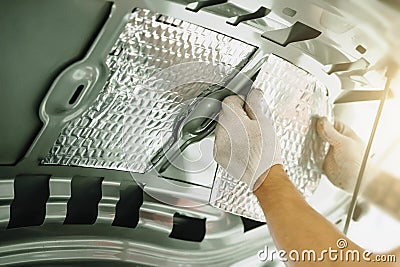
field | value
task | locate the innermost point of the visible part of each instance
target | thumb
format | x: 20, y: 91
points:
x: 328, y: 132
x: 232, y: 106
x: 345, y: 130
x: 255, y: 104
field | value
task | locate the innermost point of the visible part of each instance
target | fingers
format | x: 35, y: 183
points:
x: 328, y: 132
x: 253, y: 100
x: 257, y: 107
x: 221, y: 145
x: 230, y: 122
x: 231, y: 143
x: 233, y: 106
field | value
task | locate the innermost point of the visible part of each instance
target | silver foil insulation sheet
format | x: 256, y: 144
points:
x: 155, y: 72
x: 296, y: 98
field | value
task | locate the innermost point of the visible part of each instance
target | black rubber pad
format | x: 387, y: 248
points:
x: 82, y: 207
x: 188, y: 228
x: 250, y: 224
x: 128, y: 206
x: 28, y: 208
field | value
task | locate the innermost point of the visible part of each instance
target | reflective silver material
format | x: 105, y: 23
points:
x: 295, y: 98
x: 135, y: 114
x: 233, y: 196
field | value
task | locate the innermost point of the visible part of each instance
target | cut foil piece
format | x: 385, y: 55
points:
x: 149, y: 87
x: 296, y: 98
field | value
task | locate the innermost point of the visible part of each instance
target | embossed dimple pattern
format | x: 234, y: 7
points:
x: 296, y: 99
x: 134, y: 114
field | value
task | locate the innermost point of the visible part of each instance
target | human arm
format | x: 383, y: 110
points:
x: 294, y: 225
x: 292, y: 222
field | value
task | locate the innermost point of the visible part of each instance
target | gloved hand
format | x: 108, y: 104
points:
x: 343, y: 161
x: 245, y: 141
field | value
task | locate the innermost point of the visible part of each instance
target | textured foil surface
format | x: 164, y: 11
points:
x: 296, y: 99
x: 134, y: 115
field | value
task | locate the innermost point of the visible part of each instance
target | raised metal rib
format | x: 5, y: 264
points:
x: 6, y: 197
x: 110, y: 196
x: 296, y: 33
x: 360, y: 64
x: 196, y: 6
x: 261, y: 12
x: 60, y: 193
x: 360, y: 95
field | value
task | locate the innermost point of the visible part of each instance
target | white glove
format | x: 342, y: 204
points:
x: 245, y: 141
x: 343, y: 161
